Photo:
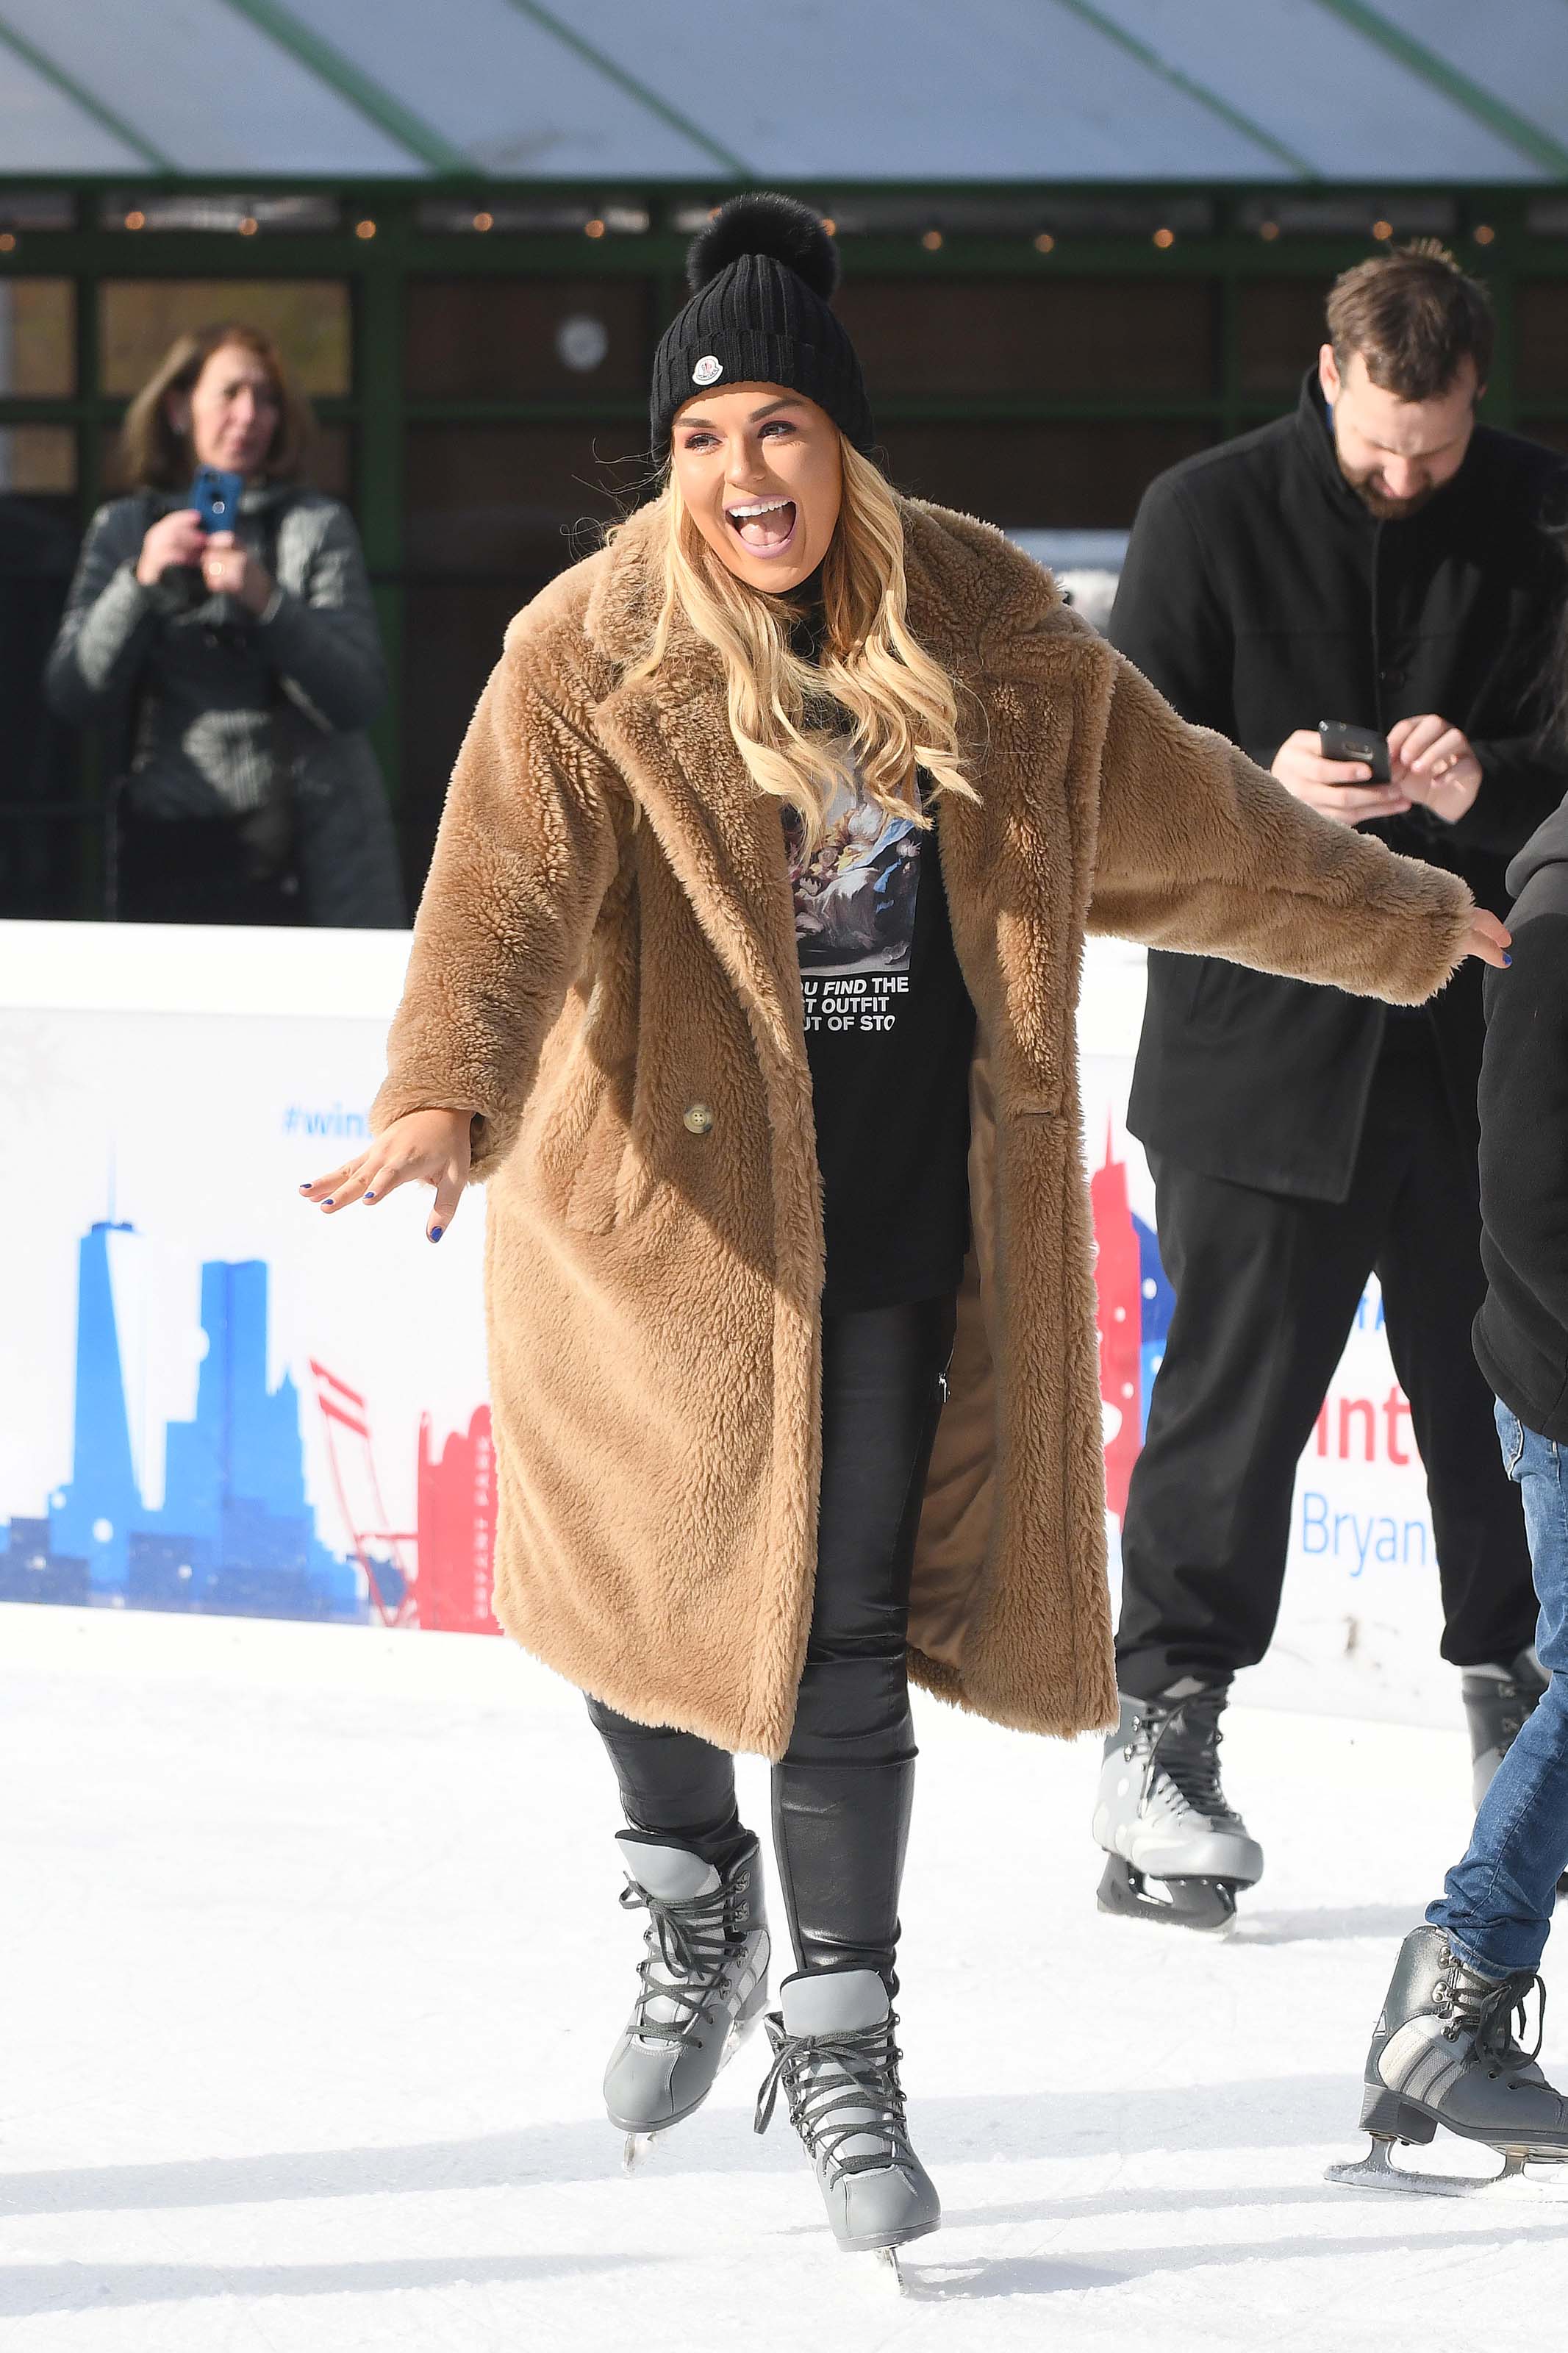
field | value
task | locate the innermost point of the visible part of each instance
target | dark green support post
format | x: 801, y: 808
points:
x: 379, y: 454
x: 1228, y: 326
x: 98, y: 755
x: 1498, y: 265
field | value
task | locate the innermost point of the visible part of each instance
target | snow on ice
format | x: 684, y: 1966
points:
x: 312, y: 1960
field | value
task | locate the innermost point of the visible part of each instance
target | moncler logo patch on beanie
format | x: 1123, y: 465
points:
x: 762, y: 275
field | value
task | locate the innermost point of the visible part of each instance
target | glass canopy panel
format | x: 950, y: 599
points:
x: 308, y: 318
x: 1056, y: 476
x: 516, y: 338
x: 1278, y: 331
x: 1540, y: 337
x: 38, y: 338
x: 1034, y: 336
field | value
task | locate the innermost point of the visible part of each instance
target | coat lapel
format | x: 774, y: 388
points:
x: 723, y: 839
x: 1014, y: 864
x: 670, y: 737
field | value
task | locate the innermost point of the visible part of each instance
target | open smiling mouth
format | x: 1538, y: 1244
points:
x: 763, y: 526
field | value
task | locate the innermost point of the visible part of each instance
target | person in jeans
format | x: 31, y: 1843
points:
x: 745, y: 977
x: 1444, y: 2053
x: 240, y: 668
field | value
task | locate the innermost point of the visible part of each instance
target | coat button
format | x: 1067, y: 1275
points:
x: 1394, y: 675
x: 698, y: 1119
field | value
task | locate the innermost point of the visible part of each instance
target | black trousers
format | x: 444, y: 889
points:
x: 200, y: 871
x: 1266, y: 1291
x: 841, y: 1795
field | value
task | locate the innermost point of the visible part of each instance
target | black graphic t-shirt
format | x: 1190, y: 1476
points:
x: 890, y: 1031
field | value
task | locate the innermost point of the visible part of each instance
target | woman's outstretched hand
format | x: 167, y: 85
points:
x: 1489, y: 939
x: 424, y: 1147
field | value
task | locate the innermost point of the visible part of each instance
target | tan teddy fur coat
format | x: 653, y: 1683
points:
x: 605, y: 972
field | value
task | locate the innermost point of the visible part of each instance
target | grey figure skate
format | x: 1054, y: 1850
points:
x: 1498, y: 1701
x: 1443, y: 2052
x: 834, y: 2053
x: 1178, y: 1851
x: 1496, y: 1705
x: 702, y: 1983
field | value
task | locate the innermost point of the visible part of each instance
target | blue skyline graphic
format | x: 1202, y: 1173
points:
x: 235, y: 1533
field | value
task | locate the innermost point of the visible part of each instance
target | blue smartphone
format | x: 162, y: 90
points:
x: 216, y: 496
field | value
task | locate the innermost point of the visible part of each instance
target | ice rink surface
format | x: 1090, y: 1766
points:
x: 311, y: 1961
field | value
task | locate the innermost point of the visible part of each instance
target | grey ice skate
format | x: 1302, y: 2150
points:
x: 1498, y: 1699
x: 834, y: 2053
x: 1443, y: 2053
x: 703, y: 1982
x: 1178, y: 1850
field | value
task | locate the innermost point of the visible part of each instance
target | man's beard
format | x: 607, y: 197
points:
x: 1379, y: 503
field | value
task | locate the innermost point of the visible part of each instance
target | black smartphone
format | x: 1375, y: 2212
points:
x: 1341, y: 741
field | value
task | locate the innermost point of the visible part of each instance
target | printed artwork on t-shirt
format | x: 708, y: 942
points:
x: 854, y: 910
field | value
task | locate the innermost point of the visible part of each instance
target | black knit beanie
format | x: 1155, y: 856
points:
x: 760, y: 275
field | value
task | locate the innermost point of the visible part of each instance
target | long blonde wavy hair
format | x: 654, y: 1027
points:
x: 874, y: 699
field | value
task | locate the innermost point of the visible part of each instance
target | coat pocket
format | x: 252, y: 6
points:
x: 612, y: 1183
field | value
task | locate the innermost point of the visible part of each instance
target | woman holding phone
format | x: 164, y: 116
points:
x: 240, y: 665
x: 746, y: 974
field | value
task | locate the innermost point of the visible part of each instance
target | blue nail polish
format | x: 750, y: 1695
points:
x: 307, y: 1185
x: 326, y: 1205
x: 1506, y: 958
x: 436, y: 1233
x: 370, y: 1196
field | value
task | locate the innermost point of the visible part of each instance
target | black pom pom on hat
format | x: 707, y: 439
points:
x: 780, y: 227
x: 761, y: 272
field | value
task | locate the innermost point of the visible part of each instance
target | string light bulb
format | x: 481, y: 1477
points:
x: 1383, y: 231
x: 1484, y: 233
x: 483, y: 221
x: 1045, y: 242
x: 932, y: 241
x: 594, y: 227
x: 364, y: 229
x: 1164, y: 238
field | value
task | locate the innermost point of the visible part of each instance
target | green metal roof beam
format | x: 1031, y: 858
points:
x: 79, y: 96
x: 1524, y: 137
x: 1206, y: 97
x: 549, y: 22
x: 339, y: 73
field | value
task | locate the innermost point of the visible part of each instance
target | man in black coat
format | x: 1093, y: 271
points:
x: 1377, y: 558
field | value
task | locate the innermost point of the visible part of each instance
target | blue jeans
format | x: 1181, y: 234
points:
x: 1496, y: 1905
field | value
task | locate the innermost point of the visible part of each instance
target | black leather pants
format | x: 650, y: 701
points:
x: 843, y: 1791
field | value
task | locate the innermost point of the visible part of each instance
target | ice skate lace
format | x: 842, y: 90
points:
x: 1183, y: 1744
x: 1473, y: 2005
x: 840, y: 2087
x: 689, y: 1938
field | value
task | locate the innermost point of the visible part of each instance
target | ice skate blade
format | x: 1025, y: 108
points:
x: 1206, y: 1905
x: 639, y: 2149
x: 888, y: 2262
x: 1377, y: 2170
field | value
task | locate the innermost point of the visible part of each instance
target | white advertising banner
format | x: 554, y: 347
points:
x: 212, y: 1397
